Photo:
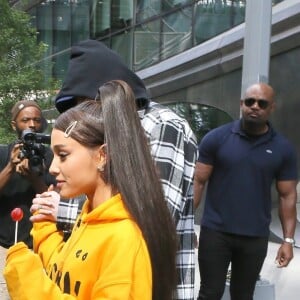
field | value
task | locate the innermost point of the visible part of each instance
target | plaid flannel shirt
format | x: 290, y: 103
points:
x: 174, y: 149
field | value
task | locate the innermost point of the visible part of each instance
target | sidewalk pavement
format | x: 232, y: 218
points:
x: 3, y: 291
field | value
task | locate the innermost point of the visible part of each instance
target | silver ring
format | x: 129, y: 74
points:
x: 40, y: 206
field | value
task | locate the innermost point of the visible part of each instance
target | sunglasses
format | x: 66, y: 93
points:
x: 263, y: 104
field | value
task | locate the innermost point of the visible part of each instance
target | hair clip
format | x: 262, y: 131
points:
x: 70, y: 129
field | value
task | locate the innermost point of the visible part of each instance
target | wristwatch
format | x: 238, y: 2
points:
x: 290, y: 241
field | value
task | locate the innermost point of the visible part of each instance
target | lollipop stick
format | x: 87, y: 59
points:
x: 16, y: 232
x: 17, y: 215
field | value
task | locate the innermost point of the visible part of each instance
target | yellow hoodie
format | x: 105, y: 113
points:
x: 106, y: 257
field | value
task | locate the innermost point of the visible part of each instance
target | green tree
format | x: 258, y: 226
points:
x: 20, y: 74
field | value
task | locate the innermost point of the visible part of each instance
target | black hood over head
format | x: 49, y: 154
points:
x: 91, y: 65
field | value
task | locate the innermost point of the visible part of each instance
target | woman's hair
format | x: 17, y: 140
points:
x: 113, y: 120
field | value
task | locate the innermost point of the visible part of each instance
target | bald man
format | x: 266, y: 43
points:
x: 239, y: 162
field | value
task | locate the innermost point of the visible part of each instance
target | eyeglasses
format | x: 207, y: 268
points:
x: 263, y: 104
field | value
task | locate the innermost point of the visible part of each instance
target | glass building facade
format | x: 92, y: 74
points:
x: 150, y: 34
x: 189, y: 53
x: 143, y: 32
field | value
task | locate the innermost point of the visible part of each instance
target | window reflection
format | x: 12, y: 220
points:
x: 123, y: 45
x: 170, y: 4
x: 176, y: 32
x: 146, y: 45
x: 202, y: 118
x: 100, y: 18
x: 121, y: 14
x: 153, y: 29
x: 215, y: 17
x: 146, y: 9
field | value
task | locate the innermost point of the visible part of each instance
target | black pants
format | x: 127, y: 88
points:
x: 216, y: 251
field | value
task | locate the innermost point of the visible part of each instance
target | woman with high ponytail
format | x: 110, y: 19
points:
x: 124, y: 243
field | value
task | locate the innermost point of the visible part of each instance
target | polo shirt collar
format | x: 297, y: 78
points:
x: 237, y: 128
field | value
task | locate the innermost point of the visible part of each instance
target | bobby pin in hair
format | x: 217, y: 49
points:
x: 70, y: 129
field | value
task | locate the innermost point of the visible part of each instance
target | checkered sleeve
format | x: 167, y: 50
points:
x: 174, y: 149
x: 68, y: 210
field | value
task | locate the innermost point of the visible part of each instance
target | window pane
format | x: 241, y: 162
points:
x: 146, y: 45
x: 176, y: 36
x: 170, y: 4
x: 121, y: 14
x: 215, y: 17
x: 80, y: 21
x: 100, y: 18
x: 122, y: 44
x: 147, y: 9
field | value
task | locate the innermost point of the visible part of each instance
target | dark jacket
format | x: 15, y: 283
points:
x: 18, y: 192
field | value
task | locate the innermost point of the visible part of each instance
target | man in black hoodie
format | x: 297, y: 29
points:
x: 172, y: 142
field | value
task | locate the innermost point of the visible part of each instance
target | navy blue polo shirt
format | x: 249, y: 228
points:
x: 238, y: 197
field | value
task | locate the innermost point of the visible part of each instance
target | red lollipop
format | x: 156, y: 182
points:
x: 17, y: 215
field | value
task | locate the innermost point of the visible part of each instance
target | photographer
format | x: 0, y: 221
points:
x: 19, y: 181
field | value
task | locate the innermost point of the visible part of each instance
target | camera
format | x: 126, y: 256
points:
x: 34, y: 149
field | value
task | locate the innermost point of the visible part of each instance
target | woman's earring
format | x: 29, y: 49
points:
x: 100, y: 168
